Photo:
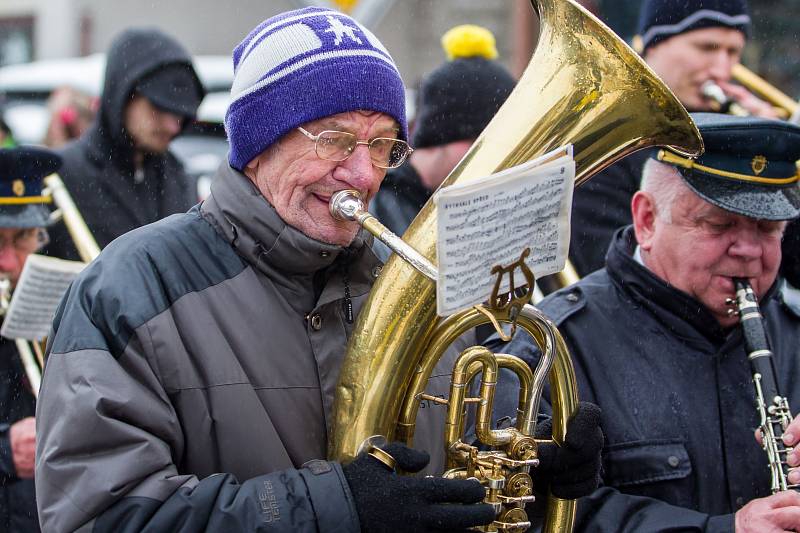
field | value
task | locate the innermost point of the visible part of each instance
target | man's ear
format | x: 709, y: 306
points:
x: 251, y: 169
x: 643, y: 209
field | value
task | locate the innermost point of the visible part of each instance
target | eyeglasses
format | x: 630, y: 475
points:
x: 26, y: 240
x: 386, y: 152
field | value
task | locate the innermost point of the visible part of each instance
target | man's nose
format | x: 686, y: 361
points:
x: 358, y: 170
x: 721, y: 65
x: 171, y: 123
x: 747, y: 244
x: 8, y: 258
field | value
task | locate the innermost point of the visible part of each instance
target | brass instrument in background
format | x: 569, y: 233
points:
x: 773, y: 409
x: 784, y: 105
x: 583, y: 86
x: 72, y: 218
x: 32, y: 352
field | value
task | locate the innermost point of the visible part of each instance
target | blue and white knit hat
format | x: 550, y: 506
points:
x: 661, y: 19
x: 304, y: 65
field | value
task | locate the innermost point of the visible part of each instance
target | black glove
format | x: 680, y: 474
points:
x: 388, y: 502
x: 572, y: 470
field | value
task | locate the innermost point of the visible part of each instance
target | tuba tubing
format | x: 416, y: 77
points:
x: 81, y: 235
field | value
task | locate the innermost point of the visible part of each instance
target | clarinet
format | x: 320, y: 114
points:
x: 773, y: 408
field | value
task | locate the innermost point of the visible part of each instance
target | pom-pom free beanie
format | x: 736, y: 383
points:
x: 661, y: 19
x: 304, y: 65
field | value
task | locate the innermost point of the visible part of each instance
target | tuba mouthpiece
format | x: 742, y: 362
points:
x: 346, y: 204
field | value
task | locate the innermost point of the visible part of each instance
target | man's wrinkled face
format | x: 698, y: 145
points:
x: 299, y: 184
x: 151, y: 128
x: 704, y: 247
x: 15, y: 246
x: 686, y: 61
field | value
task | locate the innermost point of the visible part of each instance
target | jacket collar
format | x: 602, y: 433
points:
x: 683, y: 314
x: 255, y: 230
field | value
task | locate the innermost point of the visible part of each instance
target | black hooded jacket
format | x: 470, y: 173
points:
x: 98, y: 168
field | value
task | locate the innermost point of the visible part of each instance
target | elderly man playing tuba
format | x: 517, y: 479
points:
x: 654, y: 344
x: 192, y: 366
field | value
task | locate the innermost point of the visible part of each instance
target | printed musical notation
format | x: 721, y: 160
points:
x: 490, y: 221
x: 39, y: 290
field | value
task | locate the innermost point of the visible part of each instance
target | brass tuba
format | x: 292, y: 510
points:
x: 583, y: 86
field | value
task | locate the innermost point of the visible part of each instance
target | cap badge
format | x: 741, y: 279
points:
x: 758, y: 164
x: 18, y: 186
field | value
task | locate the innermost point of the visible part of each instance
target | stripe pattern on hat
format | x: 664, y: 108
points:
x: 305, y: 65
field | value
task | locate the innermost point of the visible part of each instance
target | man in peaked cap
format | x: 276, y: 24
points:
x: 670, y: 369
x: 120, y: 172
x: 23, y: 217
x: 192, y: 368
x: 687, y: 43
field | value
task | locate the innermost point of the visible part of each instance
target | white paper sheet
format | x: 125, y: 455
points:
x: 41, y: 285
x: 491, y: 220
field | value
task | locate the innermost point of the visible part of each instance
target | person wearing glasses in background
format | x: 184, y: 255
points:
x: 210, y: 342
x: 23, y: 217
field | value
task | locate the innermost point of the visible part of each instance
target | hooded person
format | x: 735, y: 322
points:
x: 121, y: 173
x: 456, y: 102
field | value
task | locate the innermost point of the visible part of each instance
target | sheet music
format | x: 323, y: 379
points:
x: 41, y: 285
x: 490, y: 221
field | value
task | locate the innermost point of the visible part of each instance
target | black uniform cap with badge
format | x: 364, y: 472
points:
x: 749, y: 166
x: 22, y: 171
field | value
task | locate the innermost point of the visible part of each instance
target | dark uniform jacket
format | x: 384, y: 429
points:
x: 17, y: 496
x: 191, y: 374
x: 677, y: 397
x: 98, y: 168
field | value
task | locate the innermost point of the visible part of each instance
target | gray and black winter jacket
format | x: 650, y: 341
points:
x: 191, y: 374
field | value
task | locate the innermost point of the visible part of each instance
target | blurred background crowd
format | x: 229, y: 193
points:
x: 51, y: 53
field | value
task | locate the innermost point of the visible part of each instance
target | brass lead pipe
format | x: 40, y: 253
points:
x: 78, y: 230
x: 764, y: 89
x: 347, y: 205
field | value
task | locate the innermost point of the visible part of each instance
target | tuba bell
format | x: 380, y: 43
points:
x: 583, y: 86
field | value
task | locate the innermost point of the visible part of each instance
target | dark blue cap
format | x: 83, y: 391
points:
x: 749, y: 166
x: 22, y: 171
x: 661, y: 19
x: 174, y: 88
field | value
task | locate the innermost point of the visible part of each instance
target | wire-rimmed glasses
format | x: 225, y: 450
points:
x: 385, y: 152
